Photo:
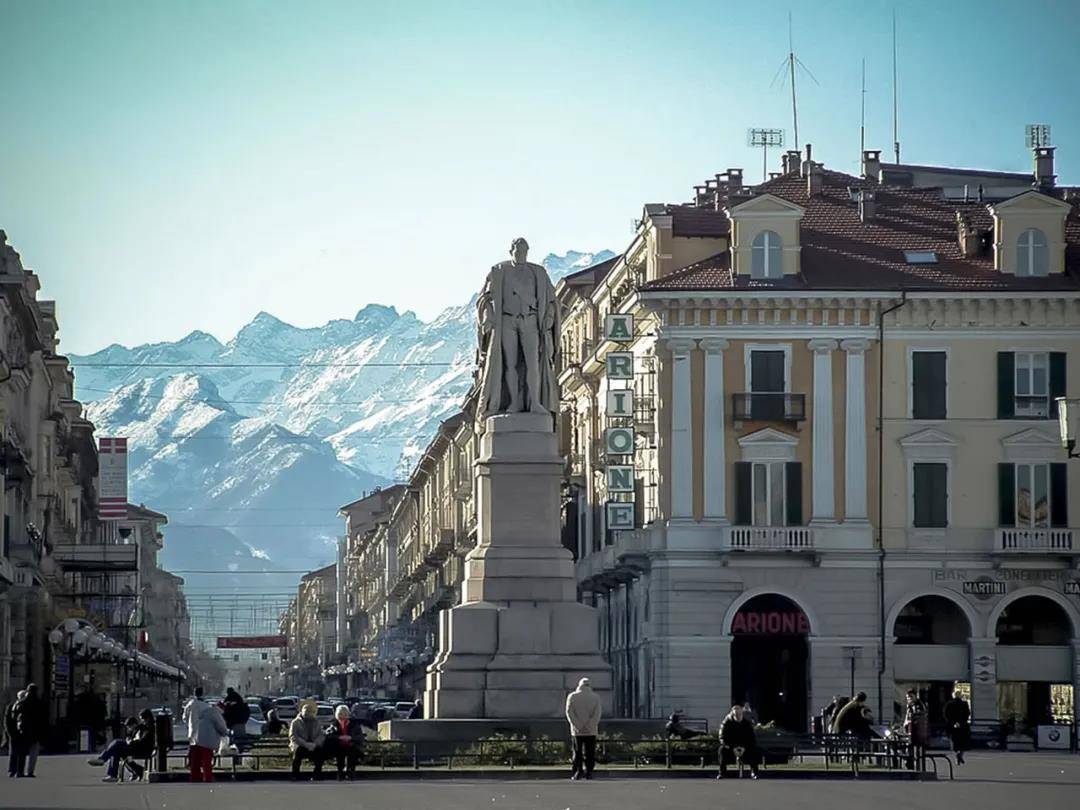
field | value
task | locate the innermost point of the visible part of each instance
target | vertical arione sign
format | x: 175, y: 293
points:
x: 619, y: 436
x: 112, y: 479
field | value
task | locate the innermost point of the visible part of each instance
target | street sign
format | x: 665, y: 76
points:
x: 112, y: 479
x: 250, y: 642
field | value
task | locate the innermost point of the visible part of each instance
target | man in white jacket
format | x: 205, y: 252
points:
x: 583, y: 714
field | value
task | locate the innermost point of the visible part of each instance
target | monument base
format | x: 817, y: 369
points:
x: 467, y: 731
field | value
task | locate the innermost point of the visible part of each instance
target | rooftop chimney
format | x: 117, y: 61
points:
x: 1044, y: 166
x: 871, y: 164
x: 789, y: 161
x: 815, y: 181
x: 806, y: 163
x: 867, y: 204
x: 970, y: 239
x: 734, y: 179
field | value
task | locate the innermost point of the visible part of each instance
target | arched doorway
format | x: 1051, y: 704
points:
x: 769, y: 660
x: 931, y: 633
x: 1034, y: 663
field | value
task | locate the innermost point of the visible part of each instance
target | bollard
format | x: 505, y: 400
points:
x: 163, y: 740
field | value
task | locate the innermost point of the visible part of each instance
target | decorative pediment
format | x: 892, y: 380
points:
x: 766, y: 205
x: 929, y: 443
x: 768, y: 444
x: 1031, y: 445
x: 1032, y: 202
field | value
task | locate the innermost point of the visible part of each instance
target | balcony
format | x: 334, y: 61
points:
x: 770, y: 538
x: 751, y: 407
x: 1031, y: 407
x: 97, y: 556
x: 1035, y: 541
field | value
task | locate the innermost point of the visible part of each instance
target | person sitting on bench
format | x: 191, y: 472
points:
x: 345, y: 741
x: 738, y: 743
x: 306, y: 740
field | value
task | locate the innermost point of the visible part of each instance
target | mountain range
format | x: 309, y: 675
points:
x: 251, y: 446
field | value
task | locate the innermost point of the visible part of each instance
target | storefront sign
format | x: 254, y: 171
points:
x: 249, y: 642
x: 620, y: 403
x: 984, y: 584
x: 620, y: 515
x: 770, y: 623
x: 1072, y: 588
x: 620, y: 478
x: 620, y: 365
x: 619, y: 441
x: 983, y: 587
x: 619, y: 328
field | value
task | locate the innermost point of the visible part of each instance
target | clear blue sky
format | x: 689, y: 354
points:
x: 172, y: 166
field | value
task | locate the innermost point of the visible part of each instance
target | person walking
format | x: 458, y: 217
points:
x: 236, y: 713
x: 738, y: 742
x: 206, y: 729
x: 917, y: 727
x: 345, y: 741
x: 16, y: 740
x: 958, y: 716
x: 583, y: 714
x: 306, y: 741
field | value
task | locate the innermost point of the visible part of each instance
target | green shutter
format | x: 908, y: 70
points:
x: 793, y: 485
x: 743, y: 508
x: 1057, y: 381
x: 1006, y: 385
x: 1006, y: 494
x: 1059, y: 496
x: 931, y: 497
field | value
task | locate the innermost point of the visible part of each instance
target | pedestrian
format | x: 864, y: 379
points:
x: 738, y: 743
x: 136, y: 742
x: 345, y: 741
x: 274, y: 724
x: 829, y: 712
x: 306, y: 741
x: 917, y: 727
x: 236, y: 713
x: 16, y: 740
x: 583, y: 714
x: 855, y: 718
x: 958, y: 716
x: 206, y: 729
x: 749, y: 713
x: 417, y: 711
x: 32, y: 717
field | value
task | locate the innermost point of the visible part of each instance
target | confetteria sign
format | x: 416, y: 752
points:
x: 770, y: 623
x: 983, y: 584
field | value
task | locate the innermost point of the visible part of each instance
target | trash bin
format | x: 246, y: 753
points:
x: 86, y: 741
x: 163, y: 739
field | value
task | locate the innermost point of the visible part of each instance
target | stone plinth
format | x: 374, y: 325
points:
x: 520, y: 640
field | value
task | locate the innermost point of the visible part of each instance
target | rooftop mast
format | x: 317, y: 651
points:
x: 787, y: 68
x: 895, y: 104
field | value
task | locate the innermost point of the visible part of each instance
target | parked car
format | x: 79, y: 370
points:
x: 402, y: 709
x: 256, y: 724
x: 287, y: 707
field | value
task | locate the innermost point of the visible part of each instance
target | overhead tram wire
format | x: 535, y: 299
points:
x: 213, y: 400
x: 336, y: 364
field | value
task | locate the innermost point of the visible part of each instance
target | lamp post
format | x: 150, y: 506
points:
x: 1069, y: 424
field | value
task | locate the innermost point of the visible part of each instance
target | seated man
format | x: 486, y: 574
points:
x: 117, y: 751
x: 306, y: 740
x: 345, y: 741
x: 738, y: 743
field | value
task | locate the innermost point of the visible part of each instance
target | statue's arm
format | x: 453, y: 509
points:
x: 485, y: 308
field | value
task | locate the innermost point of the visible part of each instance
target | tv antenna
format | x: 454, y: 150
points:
x: 895, y: 103
x: 1037, y: 135
x: 787, y: 68
x: 764, y: 138
x: 862, y: 114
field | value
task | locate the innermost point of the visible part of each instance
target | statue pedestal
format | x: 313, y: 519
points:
x: 520, y: 640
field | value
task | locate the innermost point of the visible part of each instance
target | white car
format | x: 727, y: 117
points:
x: 256, y: 724
x: 287, y: 707
x: 403, y: 708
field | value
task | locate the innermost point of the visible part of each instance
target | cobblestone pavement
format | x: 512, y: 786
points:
x: 991, y: 781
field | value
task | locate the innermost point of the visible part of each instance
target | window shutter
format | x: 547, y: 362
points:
x: 928, y: 382
x: 1006, y: 495
x: 1057, y: 381
x: 1006, y: 385
x: 743, y: 509
x: 1059, y: 496
x: 941, y: 495
x: 793, y: 485
x: 930, y: 495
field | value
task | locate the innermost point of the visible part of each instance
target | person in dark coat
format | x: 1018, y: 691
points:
x: 855, y: 718
x: 274, y: 724
x: 958, y: 716
x: 345, y: 742
x: 417, y: 711
x: 917, y: 727
x: 738, y: 743
x: 236, y: 712
x: 137, y: 742
x: 16, y: 739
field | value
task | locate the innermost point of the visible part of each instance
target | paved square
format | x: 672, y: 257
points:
x: 992, y: 781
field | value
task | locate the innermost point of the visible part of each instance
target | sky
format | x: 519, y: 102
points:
x: 166, y: 167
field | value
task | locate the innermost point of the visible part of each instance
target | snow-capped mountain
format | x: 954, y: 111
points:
x: 268, y: 434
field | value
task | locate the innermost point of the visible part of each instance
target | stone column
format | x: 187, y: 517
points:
x: 984, y: 708
x: 1076, y: 676
x: 855, y: 432
x: 715, y: 462
x: 823, y: 502
x: 682, y: 448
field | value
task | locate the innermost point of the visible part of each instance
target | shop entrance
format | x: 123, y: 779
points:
x: 769, y: 660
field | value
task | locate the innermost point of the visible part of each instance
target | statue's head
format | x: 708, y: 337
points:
x: 519, y: 250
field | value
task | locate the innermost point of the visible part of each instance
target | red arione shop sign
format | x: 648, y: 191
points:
x: 770, y: 623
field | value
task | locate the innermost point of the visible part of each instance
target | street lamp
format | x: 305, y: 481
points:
x: 1069, y: 423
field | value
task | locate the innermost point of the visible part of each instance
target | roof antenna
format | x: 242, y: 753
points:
x: 787, y: 67
x: 895, y: 105
x: 862, y: 114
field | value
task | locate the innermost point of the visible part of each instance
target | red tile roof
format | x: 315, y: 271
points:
x: 839, y: 251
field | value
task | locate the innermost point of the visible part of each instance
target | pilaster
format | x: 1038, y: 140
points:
x: 823, y: 502
x: 682, y: 449
x: 715, y: 462
x: 855, y: 432
x: 984, y: 708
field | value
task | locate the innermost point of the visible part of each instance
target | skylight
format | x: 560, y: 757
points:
x: 920, y: 256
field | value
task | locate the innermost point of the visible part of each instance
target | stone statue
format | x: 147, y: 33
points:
x: 519, y: 337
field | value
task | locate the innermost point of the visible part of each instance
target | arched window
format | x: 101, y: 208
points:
x: 765, y: 252
x: 1031, y: 254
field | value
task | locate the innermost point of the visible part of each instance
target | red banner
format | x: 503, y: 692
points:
x: 770, y: 623
x: 249, y: 642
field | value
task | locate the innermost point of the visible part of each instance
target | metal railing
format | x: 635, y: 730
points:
x: 1035, y: 539
x: 751, y: 407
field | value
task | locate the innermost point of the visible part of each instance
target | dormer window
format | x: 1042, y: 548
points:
x: 1031, y: 253
x: 766, y: 259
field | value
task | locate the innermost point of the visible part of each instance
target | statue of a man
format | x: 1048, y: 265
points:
x: 519, y: 337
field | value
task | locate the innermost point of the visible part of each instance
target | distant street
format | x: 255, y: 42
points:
x: 992, y: 781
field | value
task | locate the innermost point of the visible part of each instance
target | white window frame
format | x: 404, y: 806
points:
x: 767, y: 463
x: 767, y: 248
x: 750, y: 348
x: 1030, y: 353
x: 911, y: 350
x: 1016, y: 494
x: 1025, y: 247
